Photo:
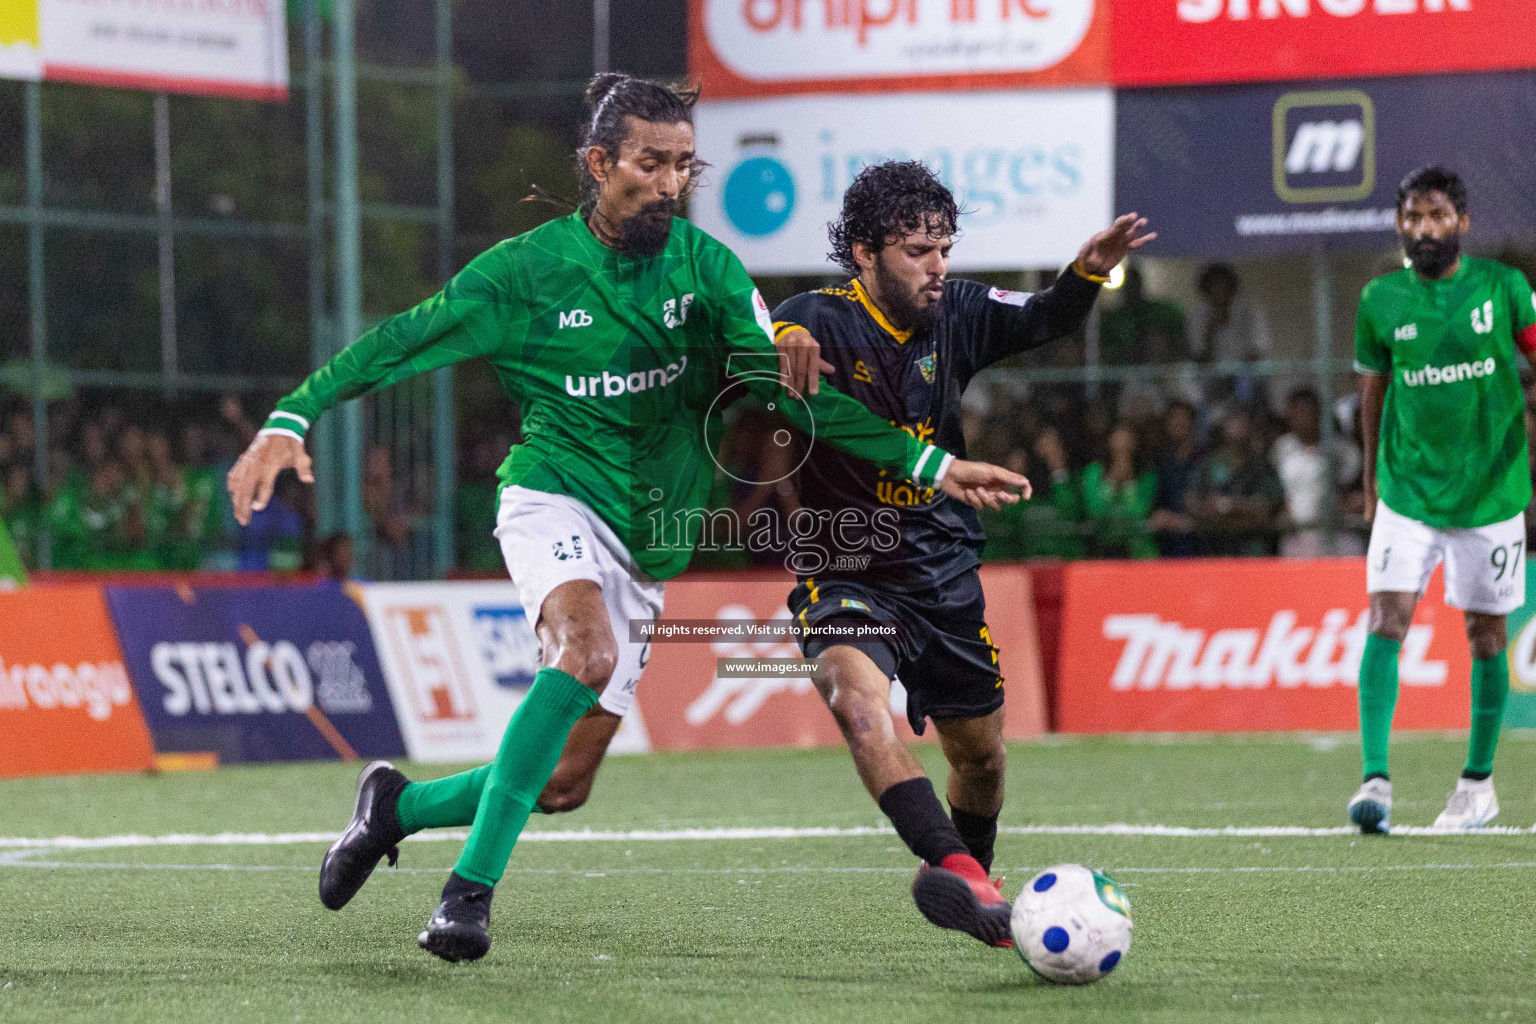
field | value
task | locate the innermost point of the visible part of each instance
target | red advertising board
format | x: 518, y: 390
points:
x: 1242, y: 645
x: 1189, y: 42
x: 66, y: 704
x: 686, y: 705
x: 757, y: 48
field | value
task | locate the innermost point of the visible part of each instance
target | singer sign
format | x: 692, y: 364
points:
x: 753, y: 48
x: 1189, y: 42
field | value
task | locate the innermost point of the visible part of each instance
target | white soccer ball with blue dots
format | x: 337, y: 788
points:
x: 1071, y: 924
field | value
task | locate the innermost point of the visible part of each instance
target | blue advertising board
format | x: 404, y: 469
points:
x: 256, y: 673
x: 1254, y: 170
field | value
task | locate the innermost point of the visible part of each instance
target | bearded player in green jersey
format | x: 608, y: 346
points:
x: 613, y: 329
x: 1447, y: 475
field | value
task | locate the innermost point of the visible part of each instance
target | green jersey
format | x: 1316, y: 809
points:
x: 1452, y: 451
x: 616, y: 361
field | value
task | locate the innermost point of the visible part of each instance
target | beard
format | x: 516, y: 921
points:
x: 1433, y: 257
x: 906, y: 314
x: 645, y: 233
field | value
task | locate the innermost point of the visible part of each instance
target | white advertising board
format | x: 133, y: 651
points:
x: 233, y: 48
x: 458, y: 658
x: 1033, y: 170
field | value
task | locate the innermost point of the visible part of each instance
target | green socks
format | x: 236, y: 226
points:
x: 529, y: 752
x: 1490, y: 692
x: 1378, y: 699
x: 442, y: 803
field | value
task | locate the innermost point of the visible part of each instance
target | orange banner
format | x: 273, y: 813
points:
x: 1242, y: 645
x: 687, y: 706
x: 66, y: 705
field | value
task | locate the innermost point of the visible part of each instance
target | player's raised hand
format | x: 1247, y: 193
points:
x: 250, y: 483
x: 1104, y: 251
x: 983, y: 485
x: 800, y: 362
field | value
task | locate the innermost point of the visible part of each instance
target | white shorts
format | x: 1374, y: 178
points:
x: 1484, y: 566
x: 550, y: 539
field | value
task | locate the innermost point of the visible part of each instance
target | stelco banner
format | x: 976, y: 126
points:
x: 1184, y: 42
x: 207, y: 47
x: 256, y: 673
x: 690, y: 706
x: 1033, y: 170
x: 459, y: 658
x: 66, y: 705
x: 777, y: 47
x: 1243, y: 646
x: 1228, y: 172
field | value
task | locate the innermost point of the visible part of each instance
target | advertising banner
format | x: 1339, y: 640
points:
x: 66, y: 705
x: 207, y: 47
x: 1228, y: 172
x: 459, y: 658
x: 777, y: 47
x: 256, y: 673
x: 1243, y: 646
x: 1186, y: 42
x: 1521, y: 712
x: 689, y: 706
x: 1034, y: 170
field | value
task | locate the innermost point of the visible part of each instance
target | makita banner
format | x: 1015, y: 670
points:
x: 690, y: 705
x: 459, y: 657
x: 65, y: 702
x: 1184, y: 42
x: 1230, y: 172
x: 1032, y: 171
x: 1247, y: 645
x: 740, y: 48
x: 207, y: 47
x: 256, y: 673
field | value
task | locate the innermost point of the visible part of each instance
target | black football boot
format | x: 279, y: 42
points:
x: 460, y: 930
x: 373, y: 832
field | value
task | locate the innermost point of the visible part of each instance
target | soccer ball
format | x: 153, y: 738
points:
x: 1071, y: 925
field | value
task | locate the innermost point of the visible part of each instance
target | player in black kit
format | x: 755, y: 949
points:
x: 905, y: 341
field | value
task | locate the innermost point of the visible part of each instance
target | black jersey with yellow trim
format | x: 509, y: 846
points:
x: 873, y: 527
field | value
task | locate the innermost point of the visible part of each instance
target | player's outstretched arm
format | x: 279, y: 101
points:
x: 983, y: 485
x: 1104, y: 251
x: 250, y: 483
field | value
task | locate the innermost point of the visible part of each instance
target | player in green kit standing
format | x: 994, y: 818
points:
x: 1447, y: 474
x: 613, y: 329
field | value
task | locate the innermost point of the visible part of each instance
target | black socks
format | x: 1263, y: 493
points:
x: 920, y: 821
x: 979, y: 832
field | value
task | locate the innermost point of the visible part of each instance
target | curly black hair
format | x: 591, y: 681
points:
x: 887, y: 201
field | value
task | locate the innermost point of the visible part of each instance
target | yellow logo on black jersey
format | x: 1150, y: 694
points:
x: 861, y: 372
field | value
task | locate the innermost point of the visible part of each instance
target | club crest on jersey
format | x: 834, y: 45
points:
x: 674, y: 312
x: 566, y: 553
x: 1482, y: 319
x: 928, y: 367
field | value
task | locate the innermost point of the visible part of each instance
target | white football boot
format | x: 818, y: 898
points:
x: 1371, y: 807
x: 1473, y: 805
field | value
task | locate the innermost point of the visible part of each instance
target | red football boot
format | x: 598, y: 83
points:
x: 958, y: 894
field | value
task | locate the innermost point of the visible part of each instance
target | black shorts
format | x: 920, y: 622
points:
x: 942, y: 652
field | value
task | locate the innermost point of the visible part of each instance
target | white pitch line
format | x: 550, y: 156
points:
x: 1303, y: 869
x: 714, y: 834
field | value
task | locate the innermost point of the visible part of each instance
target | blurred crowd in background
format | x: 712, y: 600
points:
x: 1175, y: 461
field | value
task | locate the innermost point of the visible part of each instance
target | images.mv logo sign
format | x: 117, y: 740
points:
x: 1324, y: 146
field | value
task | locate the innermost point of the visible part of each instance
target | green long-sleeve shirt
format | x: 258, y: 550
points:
x: 616, y: 362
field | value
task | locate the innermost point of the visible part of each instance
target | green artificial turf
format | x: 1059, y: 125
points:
x: 1292, y: 928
